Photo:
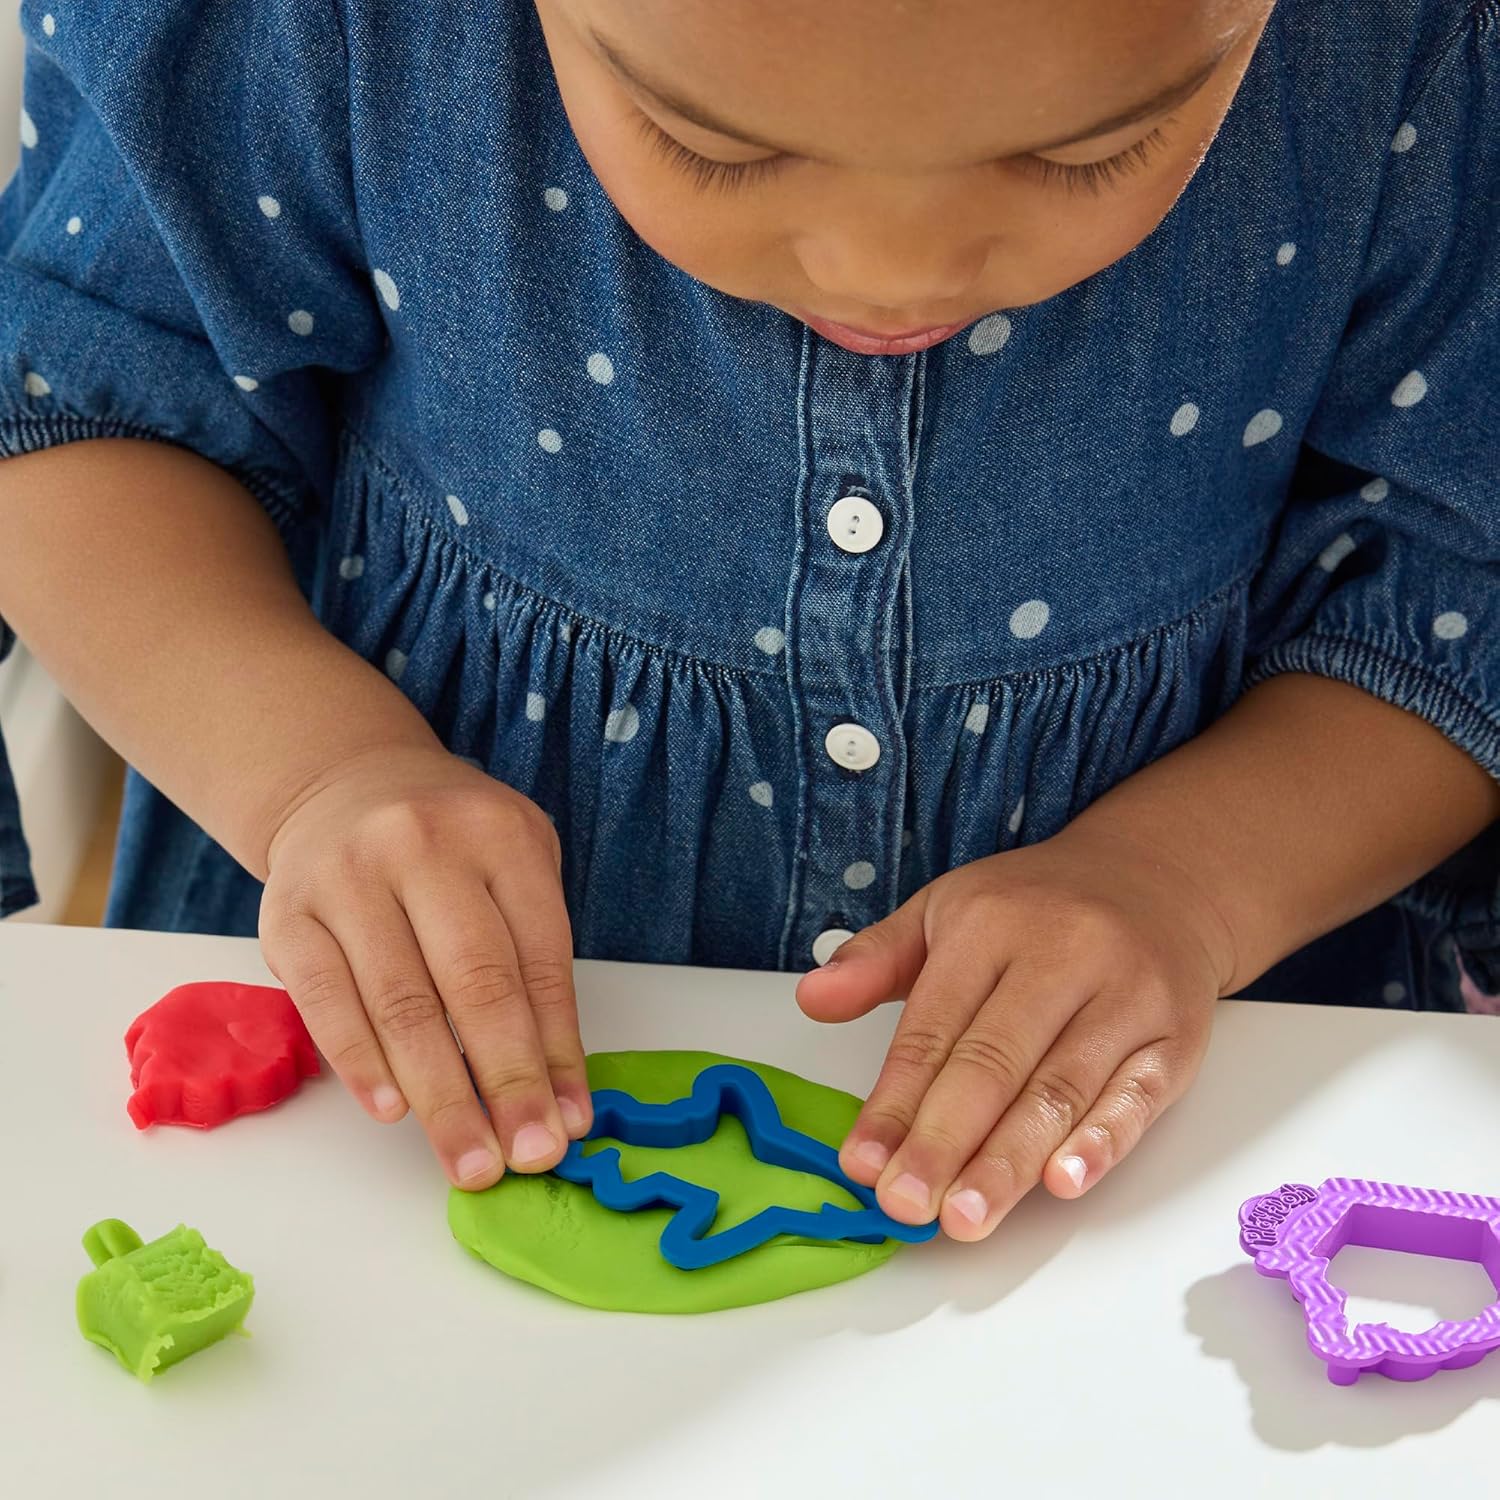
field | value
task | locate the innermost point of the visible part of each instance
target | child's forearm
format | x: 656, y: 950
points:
x: 154, y: 588
x: 1309, y: 802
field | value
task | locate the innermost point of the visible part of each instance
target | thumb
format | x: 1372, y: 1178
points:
x: 877, y: 964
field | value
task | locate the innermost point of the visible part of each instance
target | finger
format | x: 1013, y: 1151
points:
x: 879, y: 963
x: 302, y: 953
x: 470, y: 955
x: 1053, y: 1100
x: 402, y: 1002
x: 995, y: 1066
x: 1141, y: 1089
x: 543, y: 938
x: 947, y: 994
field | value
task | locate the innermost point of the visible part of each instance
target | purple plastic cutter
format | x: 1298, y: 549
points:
x: 1296, y: 1231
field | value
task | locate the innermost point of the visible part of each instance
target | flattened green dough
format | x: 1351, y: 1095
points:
x: 555, y: 1235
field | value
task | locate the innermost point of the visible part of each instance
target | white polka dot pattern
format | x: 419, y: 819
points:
x: 1029, y: 619
x: 988, y: 335
x: 1410, y: 389
x: 1335, y: 552
x: 1262, y: 427
x: 622, y: 725
x: 1184, y: 419
x: 389, y: 294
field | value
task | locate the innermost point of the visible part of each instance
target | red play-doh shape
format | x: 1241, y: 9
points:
x: 205, y: 1053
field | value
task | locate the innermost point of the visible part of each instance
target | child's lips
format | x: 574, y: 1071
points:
x: 862, y: 341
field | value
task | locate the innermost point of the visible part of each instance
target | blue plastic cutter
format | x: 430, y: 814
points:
x: 725, y: 1088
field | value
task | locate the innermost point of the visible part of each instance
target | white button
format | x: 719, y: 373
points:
x: 852, y: 746
x: 826, y: 944
x: 855, y: 524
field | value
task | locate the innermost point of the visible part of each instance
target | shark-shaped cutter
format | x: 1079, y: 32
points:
x: 724, y: 1088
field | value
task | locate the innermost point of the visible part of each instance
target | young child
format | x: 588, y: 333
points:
x: 998, y: 500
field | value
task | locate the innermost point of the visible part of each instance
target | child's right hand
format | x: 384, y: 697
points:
x: 408, y: 889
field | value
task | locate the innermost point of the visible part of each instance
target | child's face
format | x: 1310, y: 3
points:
x: 896, y: 165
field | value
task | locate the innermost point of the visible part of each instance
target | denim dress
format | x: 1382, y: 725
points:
x: 778, y: 633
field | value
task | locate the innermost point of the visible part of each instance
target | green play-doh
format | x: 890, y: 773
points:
x: 555, y: 1235
x: 153, y: 1305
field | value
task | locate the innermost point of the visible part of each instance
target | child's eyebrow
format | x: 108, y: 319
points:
x: 669, y: 99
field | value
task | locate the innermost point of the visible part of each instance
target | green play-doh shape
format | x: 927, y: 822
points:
x: 555, y: 1235
x: 153, y: 1305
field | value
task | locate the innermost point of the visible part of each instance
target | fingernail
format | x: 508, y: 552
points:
x: 386, y: 1099
x: 572, y: 1116
x: 829, y: 963
x: 913, y: 1189
x: 970, y: 1204
x: 1075, y: 1167
x: 532, y: 1143
x: 474, y: 1164
x: 872, y: 1154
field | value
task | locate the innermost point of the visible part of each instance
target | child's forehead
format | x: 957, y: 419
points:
x: 857, y: 78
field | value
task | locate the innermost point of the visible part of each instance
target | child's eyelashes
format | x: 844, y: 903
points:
x: 704, y: 170
x: 1091, y: 177
x: 1095, y: 176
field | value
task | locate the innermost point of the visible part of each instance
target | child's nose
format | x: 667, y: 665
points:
x: 892, y: 276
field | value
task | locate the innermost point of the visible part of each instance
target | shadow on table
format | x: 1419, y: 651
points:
x: 1255, y: 1322
x: 641, y: 1380
x: 680, y: 1368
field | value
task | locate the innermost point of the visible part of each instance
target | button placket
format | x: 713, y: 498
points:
x: 848, y: 676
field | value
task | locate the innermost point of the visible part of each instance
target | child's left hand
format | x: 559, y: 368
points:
x: 1059, y: 999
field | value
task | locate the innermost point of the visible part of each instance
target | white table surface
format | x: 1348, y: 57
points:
x: 1121, y: 1344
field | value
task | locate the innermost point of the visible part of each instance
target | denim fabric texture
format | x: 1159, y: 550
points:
x: 576, y: 503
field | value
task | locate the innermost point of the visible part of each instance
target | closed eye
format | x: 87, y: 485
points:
x: 1095, y: 176
x: 1091, y: 177
x: 704, y: 170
